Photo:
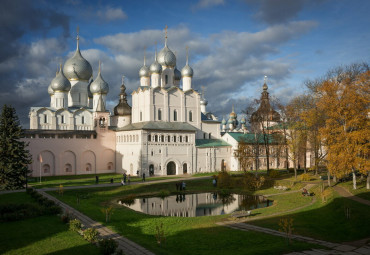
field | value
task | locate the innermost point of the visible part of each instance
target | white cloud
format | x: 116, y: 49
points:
x: 110, y: 14
x: 203, y: 4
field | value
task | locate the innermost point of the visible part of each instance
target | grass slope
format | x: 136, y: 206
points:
x: 183, y: 235
x: 40, y: 235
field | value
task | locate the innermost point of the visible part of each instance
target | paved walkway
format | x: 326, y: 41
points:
x: 128, y: 247
x: 345, y: 193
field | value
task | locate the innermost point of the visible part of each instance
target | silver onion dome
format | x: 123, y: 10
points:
x: 89, y: 94
x: 166, y: 57
x: 50, y: 90
x: 177, y: 74
x: 77, y: 68
x: 223, y: 122
x: 155, y: 67
x: 144, y: 71
x: 203, y: 101
x: 99, y: 85
x: 187, y: 71
x: 60, y: 82
x: 242, y: 121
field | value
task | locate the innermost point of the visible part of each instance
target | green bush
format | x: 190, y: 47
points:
x: 163, y: 193
x: 252, y: 183
x: 91, y: 235
x: 274, y: 174
x: 14, y: 212
x: 107, y: 246
x: 305, y: 177
x: 75, y: 225
x: 223, y: 180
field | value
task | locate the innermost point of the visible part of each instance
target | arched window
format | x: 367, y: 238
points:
x: 62, y: 121
x: 204, y: 136
x: 174, y: 138
x: 68, y: 168
x: 45, y: 118
x: 209, y: 135
x: 149, y: 138
x: 159, y: 114
x: 156, y: 138
x: 190, y: 116
x: 168, y: 138
x: 88, y: 167
x: 186, y: 139
x: 174, y: 115
x: 110, y: 166
x: 166, y: 79
x: 180, y: 139
x: 46, y: 168
x: 83, y: 120
x: 162, y: 138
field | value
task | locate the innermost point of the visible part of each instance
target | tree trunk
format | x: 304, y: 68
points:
x: 335, y: 179
x: 295, y: 169
x: 354, y: 179
x: 368, y: 181
x: 329, y: 179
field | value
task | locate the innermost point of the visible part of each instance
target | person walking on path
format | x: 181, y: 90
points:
x: 143, y: 177
x: 124, y: 177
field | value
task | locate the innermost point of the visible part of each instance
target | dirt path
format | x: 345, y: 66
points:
x: 345, y: 193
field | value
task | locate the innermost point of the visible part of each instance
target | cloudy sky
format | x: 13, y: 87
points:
x: 233, y: 44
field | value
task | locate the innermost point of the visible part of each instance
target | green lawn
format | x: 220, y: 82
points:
x: 40, y: 235
x: 327, y: 220
x: 199, y: 235
x: 83, y: 180
x: 361, y: 190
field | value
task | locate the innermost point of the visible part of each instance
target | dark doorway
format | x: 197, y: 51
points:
x: 151, y: 170
x: 223, y: 165
x: 171, y: 168
x: 185, y: 168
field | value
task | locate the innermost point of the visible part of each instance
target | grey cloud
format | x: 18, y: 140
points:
x: 110, y: 13
x: 203, y: 4
x: 279, y: 11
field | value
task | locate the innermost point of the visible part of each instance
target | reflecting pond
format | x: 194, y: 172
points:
x: 194, y: 205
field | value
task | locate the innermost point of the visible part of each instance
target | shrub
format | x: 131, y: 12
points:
x: 91, y: 235
x: 108, y: 211
x: 66, y: 217
x: 252, y: 183
x: 223, y: 180
x: 75, y: 225
x: 107, y: 246
x: 159, y: 235
x: 274, y: 174
x: 14, y: 212
x: 163, y: 193
x: 305, y: 177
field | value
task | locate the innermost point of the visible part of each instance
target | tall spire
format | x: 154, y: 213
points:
x: 144, y: 60
x: 165, y: 38
x: 155, y: 55
x: 187, y: 55
x: 99, y: 67
x: 265, y: 83
x: 78, y: 38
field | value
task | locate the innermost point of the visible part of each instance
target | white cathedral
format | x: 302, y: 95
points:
x: 168, y: 130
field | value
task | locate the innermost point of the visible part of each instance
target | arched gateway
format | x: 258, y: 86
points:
x: 171, y: 168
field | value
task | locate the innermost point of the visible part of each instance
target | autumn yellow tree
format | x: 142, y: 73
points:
x: 345, y: 101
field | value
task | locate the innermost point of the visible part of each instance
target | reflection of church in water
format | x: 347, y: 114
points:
x: 194, y: 205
